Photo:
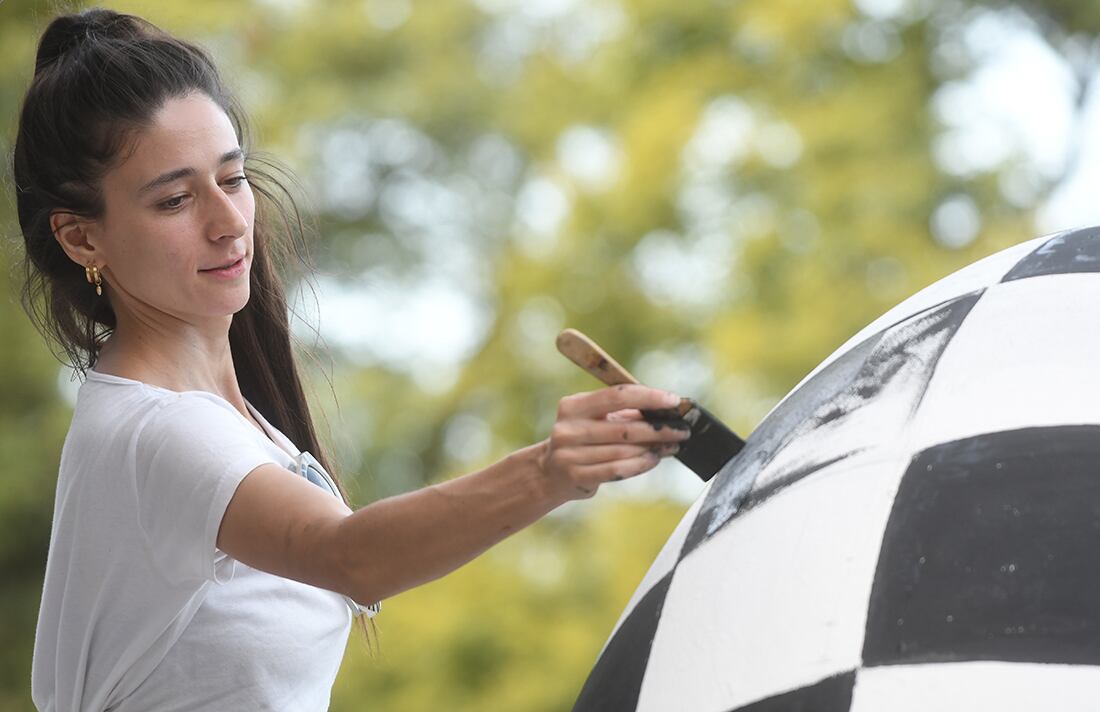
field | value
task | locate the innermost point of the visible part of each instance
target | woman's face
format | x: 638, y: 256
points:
x: 176, y: 207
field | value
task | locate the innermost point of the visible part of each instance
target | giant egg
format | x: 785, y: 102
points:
x: 914, y: 527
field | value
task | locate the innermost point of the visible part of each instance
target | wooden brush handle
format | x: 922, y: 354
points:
x: 587, y: 354
x: 584, y: 352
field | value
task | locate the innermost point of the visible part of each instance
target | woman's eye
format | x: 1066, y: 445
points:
x: 177, y: 202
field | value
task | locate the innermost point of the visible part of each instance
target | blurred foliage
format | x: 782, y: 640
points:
x: 720, y: 192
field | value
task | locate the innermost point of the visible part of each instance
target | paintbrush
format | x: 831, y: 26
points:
x: 711, y: 444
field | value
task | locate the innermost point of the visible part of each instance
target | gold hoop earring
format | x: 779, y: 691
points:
x: 92, y: 273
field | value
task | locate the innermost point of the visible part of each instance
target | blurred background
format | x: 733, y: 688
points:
x: 720, y: 192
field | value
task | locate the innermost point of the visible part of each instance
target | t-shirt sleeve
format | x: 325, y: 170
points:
x: 191, y: 456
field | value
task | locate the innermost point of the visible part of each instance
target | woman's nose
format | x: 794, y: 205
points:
x: 226, y: 217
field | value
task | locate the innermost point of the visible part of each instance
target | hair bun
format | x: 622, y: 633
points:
x: 68, y: 32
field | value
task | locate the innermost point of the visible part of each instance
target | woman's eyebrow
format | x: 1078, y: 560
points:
x: 170, y: 176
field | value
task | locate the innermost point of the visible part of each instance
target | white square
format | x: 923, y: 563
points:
x: 975, y: 686
x: 988, y: 378
x: 778, y: 598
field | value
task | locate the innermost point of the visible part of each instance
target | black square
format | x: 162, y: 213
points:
x: 616, y: 680
x: 992, y: 552
x: 813, y: 425
x: 1065, y: 253
x: 833, y: 694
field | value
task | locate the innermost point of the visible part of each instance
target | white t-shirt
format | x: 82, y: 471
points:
x: 140, y: 610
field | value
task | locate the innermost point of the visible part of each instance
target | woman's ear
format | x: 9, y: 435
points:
x: 75, y: 235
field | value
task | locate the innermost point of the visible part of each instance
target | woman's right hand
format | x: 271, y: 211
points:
x: 600, y: 436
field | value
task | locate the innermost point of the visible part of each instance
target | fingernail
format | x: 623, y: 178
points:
x: 672, y: 398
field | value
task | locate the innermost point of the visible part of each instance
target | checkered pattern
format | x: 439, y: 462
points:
x: 914, y: 527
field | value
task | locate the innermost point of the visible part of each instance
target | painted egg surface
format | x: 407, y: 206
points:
x: 916, y: 526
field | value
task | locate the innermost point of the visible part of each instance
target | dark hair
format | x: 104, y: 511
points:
x: 99, y: 77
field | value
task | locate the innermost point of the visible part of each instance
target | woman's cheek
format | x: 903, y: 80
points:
x: 248, y: 208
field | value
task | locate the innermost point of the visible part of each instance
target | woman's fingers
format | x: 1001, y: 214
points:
x: 590, y: 477
x: 597, y: 404
x: 579, y: 476
x: 596, y: 454
x: 598, y: 432
x: 601, y: 436
x: 627, y: 414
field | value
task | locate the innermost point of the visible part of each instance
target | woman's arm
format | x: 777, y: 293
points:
x: 401, y: 542
x: 284, y: 525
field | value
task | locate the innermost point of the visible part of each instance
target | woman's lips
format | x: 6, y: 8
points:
x: 234, y: 270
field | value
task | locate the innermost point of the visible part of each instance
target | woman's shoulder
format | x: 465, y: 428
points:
x: 137, y: 428
x: 107, y: 402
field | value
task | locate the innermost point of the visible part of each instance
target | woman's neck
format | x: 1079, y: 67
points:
x: 178, y: 364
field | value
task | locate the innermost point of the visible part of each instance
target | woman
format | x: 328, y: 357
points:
x: 194, y: 561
